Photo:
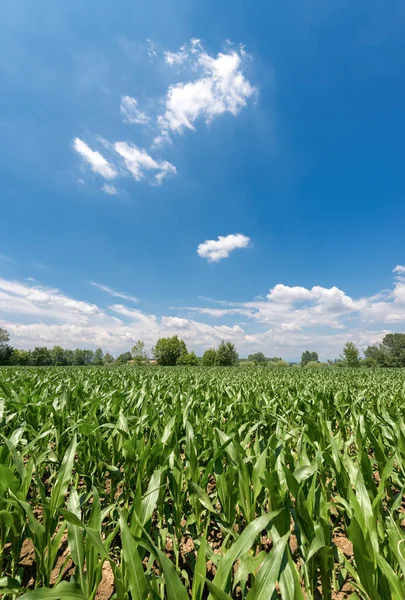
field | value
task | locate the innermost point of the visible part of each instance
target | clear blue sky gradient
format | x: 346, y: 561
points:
x: 311, y: 169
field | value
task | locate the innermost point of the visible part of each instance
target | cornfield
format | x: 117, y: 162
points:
x: 202, y: 483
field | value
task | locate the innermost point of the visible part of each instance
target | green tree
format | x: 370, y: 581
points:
x: 40, y: 357
x: 70, y: 357
x: 277, y: 363
x: 58, y: 356
x: 209, y: 357
x: 4, y: 337
x: 190, y: 359
x: 6, y: 350
x: 138, y: 352
x: 307, y: 357
x: 393, y: 344
x: 351, y: 355
x: 124, y: 358
x: 376, y: 356
x: 108, y: 358
x: 20, y: 357
x: 98, y: 357
x: 258, y: 358
x: 226, y: 355
x: 168, y: 350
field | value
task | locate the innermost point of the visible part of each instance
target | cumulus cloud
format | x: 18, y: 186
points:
x: 97, y: 162
x: 109, y: 189
x: 221, y: 86
x: 131, y: 113
x: 215, y: 250
x: 289, y: 320
x: 212, y: 85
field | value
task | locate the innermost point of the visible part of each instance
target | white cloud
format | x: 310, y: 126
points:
x: 29, y: 279
x: 291, y: 319
x: 215, y: 250
x: 220, y: 87
x: 6, y: 258
x: 106, y: 288
x: 400, y: 269
x: 96, y: 160
x: 131, y: 113
x: 139, y: 162
x: 176, y: 58
x: 109, y: 189
x: 151, y: 50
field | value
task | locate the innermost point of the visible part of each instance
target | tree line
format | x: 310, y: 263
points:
x: 173, y: 351
x: 169, y: 351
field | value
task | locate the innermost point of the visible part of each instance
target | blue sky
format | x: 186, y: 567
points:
x: 132, y: 133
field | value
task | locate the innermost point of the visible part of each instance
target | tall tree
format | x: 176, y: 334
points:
x: 226, y: 355
x: 4, y: 337
x: 258, y: 358
x: 98, y: 357
x: 20, y: 357
x: 394, y: 345
x: 6, y: 350
x: 351, y: 355
x: 308, y: 357
x: 108, y: 358
x: 138, y: 352
x: 169, y: 350
x: 58, y: 356
x: 41, y: 357
x: 124, y: 357
x: 209, y: 357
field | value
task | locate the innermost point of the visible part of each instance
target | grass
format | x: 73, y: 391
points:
x: 202, y: 483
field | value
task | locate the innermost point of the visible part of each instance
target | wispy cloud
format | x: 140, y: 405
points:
x: 138, y: 162
x: 106, y: 288
x: 109, y: 189
x: 97, y: 162
x: 131, y: 113
x: 6, y: 258
x: 216, y: 250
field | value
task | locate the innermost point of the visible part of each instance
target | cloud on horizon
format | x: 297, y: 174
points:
x: 289, y: 320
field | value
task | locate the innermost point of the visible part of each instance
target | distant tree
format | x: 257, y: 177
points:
x: 307, y: 357
x: 351, y: 355
x: 226, y: 355
x: 258, y: 358
x: 20, y: 357
x: 393, y: 344
x: 138, y: 352
x: 277, y: 363
x: 6, y: 350
x: 315, y: 364
x: 70, y: 357
x: 274, y: 359
x: 209, y: 357
x: 108, y: 358
x: 98, y: 357
x: 247, y: 364
x: 168, y: 350
x: 58, y: 355
x: 190, y: 359
x: 4, y: 337
x: 40, y: 357
x: 124, y: 358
